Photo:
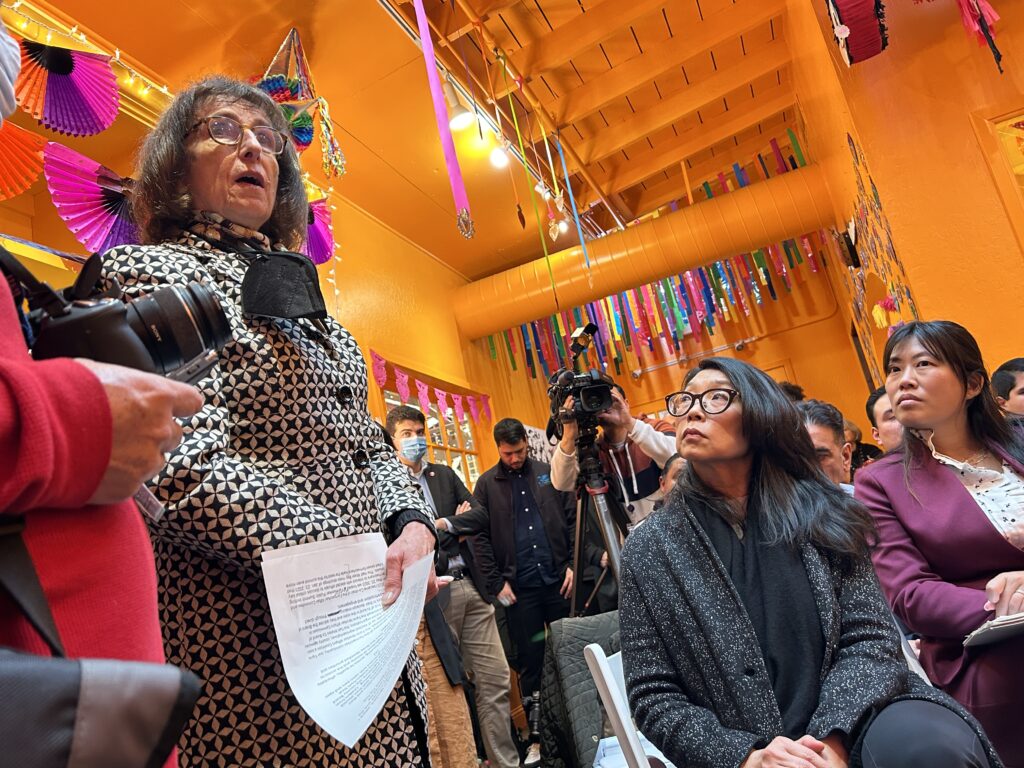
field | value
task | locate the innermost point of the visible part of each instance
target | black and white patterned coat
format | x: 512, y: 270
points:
x: 284, y: 452
x: 697, y: 681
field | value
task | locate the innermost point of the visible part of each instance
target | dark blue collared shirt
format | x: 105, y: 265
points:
x: 534, y: 565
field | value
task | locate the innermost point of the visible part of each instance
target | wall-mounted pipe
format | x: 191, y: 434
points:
x: 786, y: 206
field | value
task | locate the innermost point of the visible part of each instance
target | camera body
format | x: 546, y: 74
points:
x: 591, y: 393
x: 175, y: 331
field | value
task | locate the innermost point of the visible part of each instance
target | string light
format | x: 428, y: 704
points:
x: 29, y: 16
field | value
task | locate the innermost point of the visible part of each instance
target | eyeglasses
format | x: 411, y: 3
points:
x: 713, y: 401
x: 228, y: 131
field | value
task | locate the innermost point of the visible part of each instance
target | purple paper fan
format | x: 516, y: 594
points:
x: 92, y: 199
x: 319, y: 245
x: 68, y: 91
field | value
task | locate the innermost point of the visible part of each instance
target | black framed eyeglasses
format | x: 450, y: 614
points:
x: 228, y: 131
x: 712, y: 401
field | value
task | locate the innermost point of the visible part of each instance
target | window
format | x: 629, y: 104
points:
x: 448, y: 442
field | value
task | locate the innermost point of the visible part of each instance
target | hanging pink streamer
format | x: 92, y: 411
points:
x: 451, y: 160
x: 460, y: 412
x: 474, y: 408
x: 780, y: 161
x: 441, y: 398
x: 423, y: 395
x: 380, y: 371
x: 402, y: 384
x: 487, y: 406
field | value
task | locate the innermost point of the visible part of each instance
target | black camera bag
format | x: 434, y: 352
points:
x: 57, y: 712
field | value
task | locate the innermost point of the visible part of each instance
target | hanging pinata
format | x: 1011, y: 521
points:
x: 290, y: 83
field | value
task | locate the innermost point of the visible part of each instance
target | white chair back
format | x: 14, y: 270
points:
x: 611, y: 686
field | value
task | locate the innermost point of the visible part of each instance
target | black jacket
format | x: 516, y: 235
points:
x: 448, y: 492
x: 494, y: 546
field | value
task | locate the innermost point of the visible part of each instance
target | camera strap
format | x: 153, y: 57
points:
x: 39, y: 294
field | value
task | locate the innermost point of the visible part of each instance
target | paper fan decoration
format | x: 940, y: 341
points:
x: 300, y: 119
x: 21, y: 159
x: 71, y: 92
x: 91, y: 198
x: 319, y: 244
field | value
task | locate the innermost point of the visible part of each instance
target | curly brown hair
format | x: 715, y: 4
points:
x: 159, y: 204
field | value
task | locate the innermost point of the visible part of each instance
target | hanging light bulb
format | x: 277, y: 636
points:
x: 499, y: 158
x: 539, y: 188
x: 563, y: 226
x: 459, y: 118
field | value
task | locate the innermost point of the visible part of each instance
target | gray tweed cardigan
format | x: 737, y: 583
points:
x: 697, y: 682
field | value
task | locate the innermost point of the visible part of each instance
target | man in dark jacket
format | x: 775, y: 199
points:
x: 523, y: 547
x: 460, y: 609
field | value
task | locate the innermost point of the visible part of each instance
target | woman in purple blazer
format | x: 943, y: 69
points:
x: 949, y: 507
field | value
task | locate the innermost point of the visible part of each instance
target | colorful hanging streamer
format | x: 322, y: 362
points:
x: 463, y: 218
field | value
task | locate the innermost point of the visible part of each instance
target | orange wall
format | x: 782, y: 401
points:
x: 910, y: 108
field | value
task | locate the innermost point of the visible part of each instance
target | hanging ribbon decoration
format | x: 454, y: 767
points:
x: 441, y: 398
x: 474, y: 408
x: 533, y: 197
x: 497, y: 119
x: 575, y: 210
x: 451, y: 159
x: 423, y: 395
x: 457, y: 407
x: 380, y: 372
x: 559, y: 197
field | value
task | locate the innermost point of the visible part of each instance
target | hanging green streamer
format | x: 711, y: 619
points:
x: 508, y: 348
x: 533, y: 195
x: 797, y: 150
x: 492, y: 348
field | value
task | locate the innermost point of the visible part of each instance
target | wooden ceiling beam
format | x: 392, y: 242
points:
x: 686, y: 43
x: 674, y: 187
x: 585, y: 31
x: 694, y: 141
x: 610, y: 140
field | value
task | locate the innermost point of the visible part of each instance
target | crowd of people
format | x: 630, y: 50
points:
x: 771, y: 559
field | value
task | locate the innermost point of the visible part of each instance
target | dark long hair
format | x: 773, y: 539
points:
x: 794, y: 499
x: 159, y: 204
x: 954, y: 345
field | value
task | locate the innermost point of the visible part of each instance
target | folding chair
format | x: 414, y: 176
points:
x: 611, y: 686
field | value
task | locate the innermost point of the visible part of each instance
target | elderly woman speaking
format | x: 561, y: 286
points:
x: 284, y: 452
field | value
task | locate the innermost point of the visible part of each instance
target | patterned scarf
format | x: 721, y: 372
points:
x: 212, y: 226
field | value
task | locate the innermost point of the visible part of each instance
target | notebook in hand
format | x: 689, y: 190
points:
x: 997, y: 629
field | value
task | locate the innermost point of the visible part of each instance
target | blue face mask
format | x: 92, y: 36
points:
x: 414, y: 448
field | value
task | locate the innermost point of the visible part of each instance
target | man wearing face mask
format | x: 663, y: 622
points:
x: 459, y: 609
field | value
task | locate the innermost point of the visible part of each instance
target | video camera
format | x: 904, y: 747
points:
x: 176, y: 331
x: 591, y: 391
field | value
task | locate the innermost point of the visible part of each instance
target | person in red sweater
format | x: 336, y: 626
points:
x: 77, y: 439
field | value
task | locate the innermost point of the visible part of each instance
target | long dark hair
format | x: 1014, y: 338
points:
x: 159, y: 204
x: 795, y: 501
x: 954, y: 345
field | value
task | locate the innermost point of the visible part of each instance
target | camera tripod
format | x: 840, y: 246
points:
x: 592, y: 496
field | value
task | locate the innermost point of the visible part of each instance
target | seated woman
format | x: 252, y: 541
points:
x: 949, y: 508
x: 283, y: 453
x: 753, y: 629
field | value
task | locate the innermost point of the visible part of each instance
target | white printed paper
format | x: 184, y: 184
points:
x: 342, y: 650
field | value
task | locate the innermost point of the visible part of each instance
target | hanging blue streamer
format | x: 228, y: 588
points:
x: 526, y: 350
x: 572, y: 202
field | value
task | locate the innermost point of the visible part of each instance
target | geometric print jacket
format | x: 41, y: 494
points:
x: 283, y: 452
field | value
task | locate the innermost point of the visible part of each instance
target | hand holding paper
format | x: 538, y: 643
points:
x: 342, y: 650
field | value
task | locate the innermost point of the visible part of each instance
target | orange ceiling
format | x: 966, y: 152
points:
x: 648, y: 86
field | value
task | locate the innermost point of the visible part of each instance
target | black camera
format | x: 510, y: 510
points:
x: 591, y: 391
x: 176, y: 331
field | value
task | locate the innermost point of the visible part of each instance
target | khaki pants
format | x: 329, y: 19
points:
x: 449, y: 729
x: 471, y: 618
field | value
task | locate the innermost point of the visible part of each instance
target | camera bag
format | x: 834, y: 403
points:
x: 57, y: 712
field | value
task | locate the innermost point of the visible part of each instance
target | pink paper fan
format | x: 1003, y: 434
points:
x: 92, y: 199
x: 319, y: 245
x: 68, y: 91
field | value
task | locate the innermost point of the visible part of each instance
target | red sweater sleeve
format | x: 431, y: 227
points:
x: 55, y: 425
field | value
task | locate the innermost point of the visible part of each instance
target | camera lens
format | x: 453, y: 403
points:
x: 178, y: 325
x: 595, y: 398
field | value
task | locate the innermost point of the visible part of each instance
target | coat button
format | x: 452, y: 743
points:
x: 344, y: 395
x: 361, y: 459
